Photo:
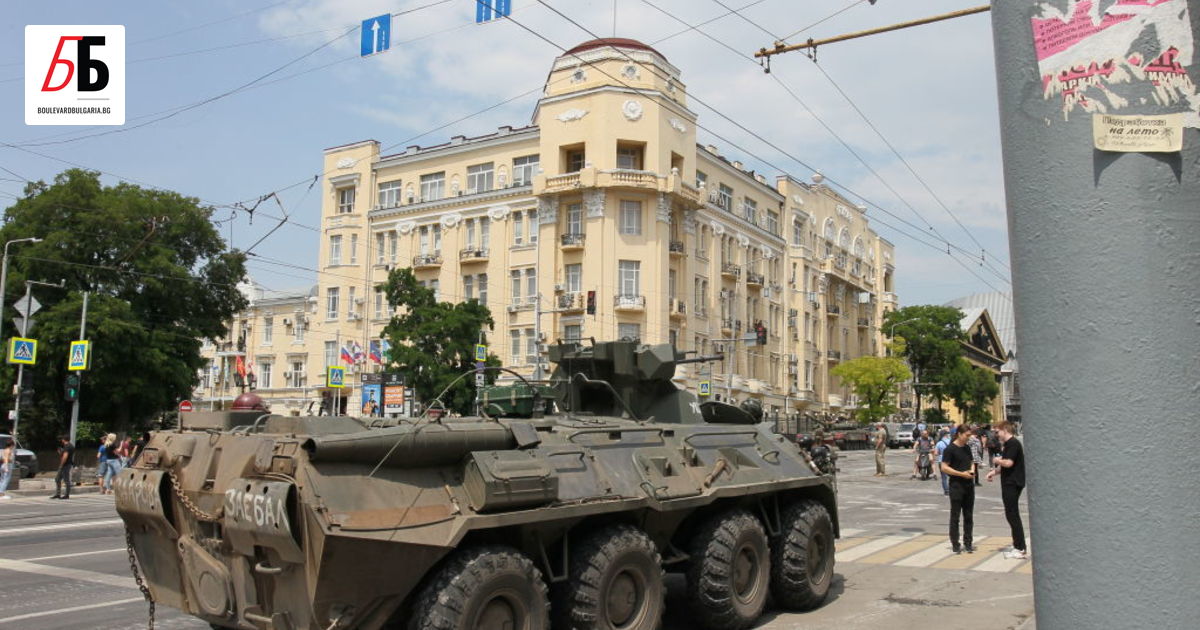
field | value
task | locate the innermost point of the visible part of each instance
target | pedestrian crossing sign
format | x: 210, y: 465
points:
x: 22, y: 350
x: 80, y: 356
x: 705, y: 388
x: 336, y: 377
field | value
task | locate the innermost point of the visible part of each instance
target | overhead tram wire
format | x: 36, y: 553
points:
x: 982, y: 249
x: 757, y: 136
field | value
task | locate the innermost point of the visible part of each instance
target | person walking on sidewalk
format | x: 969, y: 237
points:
x: 880, y: 450
x: 66, y: 461
x: 958, y: 464
x: 1011, y: 466
x: 8, y: 460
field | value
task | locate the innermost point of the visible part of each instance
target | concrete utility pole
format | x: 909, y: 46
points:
x: 1106, y: 284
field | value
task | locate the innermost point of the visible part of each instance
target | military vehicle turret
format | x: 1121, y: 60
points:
x: 563, y: 514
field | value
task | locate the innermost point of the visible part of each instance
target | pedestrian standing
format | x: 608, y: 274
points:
x: 942, y: 444
x: 976, y: 447
x: 66, y: 461
x: 1011, y: 465
x: 8, y: 460
x: 958, y: 464
x: 880, y: 450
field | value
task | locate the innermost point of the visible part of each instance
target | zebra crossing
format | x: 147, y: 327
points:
x: 923, y: 550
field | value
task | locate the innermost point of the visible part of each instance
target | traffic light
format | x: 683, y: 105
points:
x: 71, y: 390
x: 761, y: 332
x: 591, y: 303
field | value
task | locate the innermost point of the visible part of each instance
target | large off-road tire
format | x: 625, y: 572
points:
x: 802, y: 557
x: 483, y: 588
x: 729, y: 573
x: 615, y: 583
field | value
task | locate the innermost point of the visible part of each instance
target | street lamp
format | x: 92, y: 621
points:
x: 4, y: 275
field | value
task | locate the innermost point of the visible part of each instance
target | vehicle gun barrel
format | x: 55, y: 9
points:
x: 412, y: 446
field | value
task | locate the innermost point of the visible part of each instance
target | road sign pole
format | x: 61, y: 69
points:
x: 75, y: 405
x: 20, y: 368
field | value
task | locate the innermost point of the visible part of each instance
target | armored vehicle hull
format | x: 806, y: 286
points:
x: 569, y: 519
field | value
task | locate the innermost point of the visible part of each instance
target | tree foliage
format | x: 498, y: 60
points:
x: 931, y: 337
x: 875, y: 380
x: 433, y: 343
x: 159, y: 277
x: 972, y: 389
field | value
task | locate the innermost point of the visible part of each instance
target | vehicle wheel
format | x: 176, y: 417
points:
x: 802, y: 557
x: 728, y: 578
x: 484, y: 588
x: 616, y: 583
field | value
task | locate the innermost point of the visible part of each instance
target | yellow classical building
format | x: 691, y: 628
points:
x: 605, y: 196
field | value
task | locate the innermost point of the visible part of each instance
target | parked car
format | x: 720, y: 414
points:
x: 25, y: 458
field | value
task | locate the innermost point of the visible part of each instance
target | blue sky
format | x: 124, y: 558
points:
x: 930, y: 91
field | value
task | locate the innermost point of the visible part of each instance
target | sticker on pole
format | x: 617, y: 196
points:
x: 22, y: 351
x: 336, y: 377
x: 80, y: 355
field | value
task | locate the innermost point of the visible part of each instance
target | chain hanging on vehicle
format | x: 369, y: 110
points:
x: 137, y: 577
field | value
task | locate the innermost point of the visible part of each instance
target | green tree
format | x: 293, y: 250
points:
x: 433, y: 343
x: 875, y: 380
x: 929, y: 340
x: 159, y: 277
x: 972, y: 389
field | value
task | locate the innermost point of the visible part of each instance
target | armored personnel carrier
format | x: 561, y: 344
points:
x: 563, y: 515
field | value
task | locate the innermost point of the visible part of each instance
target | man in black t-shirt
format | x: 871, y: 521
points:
x: 1011, y: 465
x: 66, y: 461
x: 959, y: 466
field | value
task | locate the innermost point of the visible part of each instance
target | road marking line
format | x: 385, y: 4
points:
x: 903, y: 550
x: 866, y: 549
x: 71, y: 574
x: 983, y: 553
x: 72, y: 555
x: 46, y: 613
x: 929, y: 556
x: 59, y: 526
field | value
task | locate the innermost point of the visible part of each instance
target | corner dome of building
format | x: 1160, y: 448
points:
x: 616, y: 42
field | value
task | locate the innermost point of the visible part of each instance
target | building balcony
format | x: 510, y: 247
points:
x: 677, y: 249
x: 427, y: 261
x: 472, y: 255
x: 833, y: 355
x: 864, y: 322
x: 833, y: 309
x: 570, y: 302
x: 731, y: 271
x: 754, y: 280
x: 629, y: 302
x: 572, y: 241
x: 678, y: 309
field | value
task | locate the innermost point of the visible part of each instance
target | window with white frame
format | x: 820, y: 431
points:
x: 574, y: 277
x: 631, y: 217
x: 345, y: 197
x: 353, y: 249
x: 331, y: 302
x: 530, y: 285
x: 433, y: 186
x: 335, y: 250
x: 264, y: 375
x: 524, y: 168
x: 514, y: 345
x: 389, y: 194
x: 629, y: 277
x: 575, y: 218
x: 629, y: 331
x: 268, y: 329
x: 479, y: 178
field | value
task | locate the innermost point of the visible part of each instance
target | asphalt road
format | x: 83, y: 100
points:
x: 63, y: 564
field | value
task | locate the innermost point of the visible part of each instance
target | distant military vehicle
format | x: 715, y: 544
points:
x: 515, y: 519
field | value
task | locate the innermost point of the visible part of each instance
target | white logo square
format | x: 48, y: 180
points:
x: 74, y: 75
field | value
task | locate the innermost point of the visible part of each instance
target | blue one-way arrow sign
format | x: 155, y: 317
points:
x: 376, y: 34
